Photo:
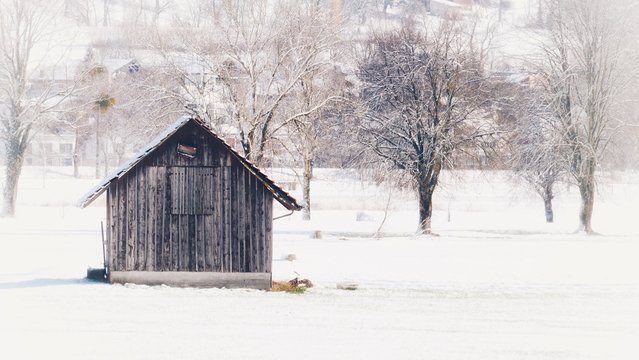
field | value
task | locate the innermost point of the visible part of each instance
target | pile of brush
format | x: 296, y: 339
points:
x: 295, y: 286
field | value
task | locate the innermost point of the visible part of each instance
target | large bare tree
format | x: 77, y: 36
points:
x: 317, y: 98
x: 241, y: 62
x: 315, y: 94
x: 266, y: 56
x: 422, y: 92
x: 25, y: 30
x: 581, y: 66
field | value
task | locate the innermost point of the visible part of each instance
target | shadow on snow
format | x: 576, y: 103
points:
x: 36, y: 283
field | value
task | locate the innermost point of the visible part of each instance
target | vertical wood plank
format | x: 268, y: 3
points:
x: 212, y: 234
x: 152, y: 218
x: 255, y: 258
x: 199, y: 243
x: 205, y: 222
x: 175, y: 243
x: 112, y: 225
x: 168, y: 226
x: 122, y: 225
x: 179, y: 248
x: 226, y: 209
x: 268, y: 231
x: 141, y: 219
x: 234, y: 207
x: 179, y: 261
x: 184, y: 243
x: 191, y: 244
x: 173, y: 189
x: 260, y: 226
x: 161, y: 234
x: 240, y: 208
x: 131, y: 237
x: 208, y: 239
x: 219, y: 215
x: 199, y: 248
x: 248, y: 209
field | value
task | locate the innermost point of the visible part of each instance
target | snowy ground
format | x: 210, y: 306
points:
x: 497, y: 283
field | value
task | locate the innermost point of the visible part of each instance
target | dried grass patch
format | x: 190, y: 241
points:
x: 295, y: 286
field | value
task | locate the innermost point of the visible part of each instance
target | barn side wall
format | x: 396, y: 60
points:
x: 206, y: 214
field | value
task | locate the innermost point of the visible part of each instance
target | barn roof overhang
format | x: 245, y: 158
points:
x: 279, y: 194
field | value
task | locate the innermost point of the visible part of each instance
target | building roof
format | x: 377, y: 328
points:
x: 115, y: 65
x: 280, y: 195
x: 69, y: 70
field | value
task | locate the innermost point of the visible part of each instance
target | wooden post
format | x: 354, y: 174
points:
x: 104, y: 259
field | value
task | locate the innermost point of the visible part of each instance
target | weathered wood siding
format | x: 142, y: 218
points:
x: 206, y: 214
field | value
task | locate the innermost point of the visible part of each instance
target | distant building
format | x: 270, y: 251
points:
x: 55, y: 144
x: 50, y: 149
x: 447, y: 8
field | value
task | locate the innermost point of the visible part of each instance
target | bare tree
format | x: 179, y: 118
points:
x: 159, y: 8
x: 534, y: 148
x: 105, y: 12
x: 314, y: 95
x: 243, y: 61
x: 580, y: 64
x: 316, y: 98
x: 82, y: 11
x: 25, y: 28
x: 267, y: 55
x: 422, y: 94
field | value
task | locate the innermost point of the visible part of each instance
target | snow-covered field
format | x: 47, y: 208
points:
x: 497, y: 283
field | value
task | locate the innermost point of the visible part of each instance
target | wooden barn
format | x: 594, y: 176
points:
x: 188, y: 210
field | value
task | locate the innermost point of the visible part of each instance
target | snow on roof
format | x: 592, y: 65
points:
x: 280, y: 195
x: 448, y: 3
x: 113, y: 65
x: 69, y: 71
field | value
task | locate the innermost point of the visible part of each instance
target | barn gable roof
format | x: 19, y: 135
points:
x: 278, y: 193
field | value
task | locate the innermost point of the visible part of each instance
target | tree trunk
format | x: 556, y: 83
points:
x: 76, y: 155
x: 254, y: 151
x: 97, y: 146
x: 106, y: 161
x: 587, y: 205
x: 427, y: 180
x: 425, y: 207
x: 587, y: 192
x: 540, y: 20
x: 548, y: 196
x: 548, y: 209
x: 105, y: 13
x: 76, y: 164
x: 15, y: 156
x: 306, y: 186
x: 156, y: 12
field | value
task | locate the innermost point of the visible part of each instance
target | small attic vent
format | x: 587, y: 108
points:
x: 185, y: 150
